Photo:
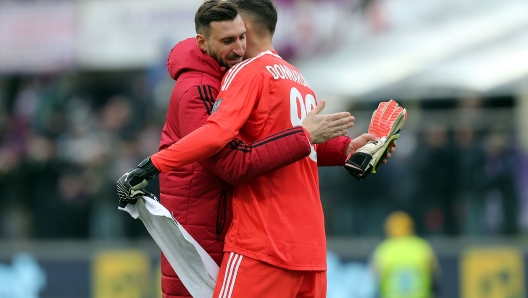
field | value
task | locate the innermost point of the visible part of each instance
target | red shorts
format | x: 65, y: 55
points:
x: 243, y: 277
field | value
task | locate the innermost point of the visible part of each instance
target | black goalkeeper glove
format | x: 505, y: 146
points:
x: 131, y: 185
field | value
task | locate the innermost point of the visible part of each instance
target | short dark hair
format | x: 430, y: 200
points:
x: 261, y: 13
x: 213, y: 11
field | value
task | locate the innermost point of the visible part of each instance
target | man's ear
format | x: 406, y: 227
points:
x: 202, y: 42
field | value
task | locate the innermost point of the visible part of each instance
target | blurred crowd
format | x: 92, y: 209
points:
x: 65, y: 140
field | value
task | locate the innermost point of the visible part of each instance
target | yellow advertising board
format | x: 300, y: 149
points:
x: 121, y: 274
x: 492, y: 273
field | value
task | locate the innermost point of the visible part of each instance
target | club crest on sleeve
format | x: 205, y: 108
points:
x: 216, y: 105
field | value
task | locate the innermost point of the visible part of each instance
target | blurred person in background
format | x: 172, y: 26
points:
x: 405, y: 265
x: 500, y: 191
x: 437, y: 182
x: 470, y: 181
x: 468, y: 169
x: 199, y: 194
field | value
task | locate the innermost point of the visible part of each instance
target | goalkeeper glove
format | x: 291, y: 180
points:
x: 130, y: 185
x: 386, y: 122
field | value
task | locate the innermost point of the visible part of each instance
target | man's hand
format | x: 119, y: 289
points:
x: 391, y: 149
x: 130, y: 185
x: 326, y: 127
x: 359, y: 142
x: 363, y: 139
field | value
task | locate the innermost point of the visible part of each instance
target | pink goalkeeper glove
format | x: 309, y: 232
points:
x: 386, y: 122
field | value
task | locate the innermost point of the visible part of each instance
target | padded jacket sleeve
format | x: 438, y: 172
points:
x: 195, y: 106
x: 239, y: 161
x: 333, y: 152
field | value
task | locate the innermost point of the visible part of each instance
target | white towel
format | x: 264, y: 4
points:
x: 193, y: 265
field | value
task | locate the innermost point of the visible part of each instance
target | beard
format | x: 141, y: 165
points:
x: 220, y: 60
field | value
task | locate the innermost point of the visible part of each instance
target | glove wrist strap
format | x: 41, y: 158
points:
x: 150, y: 171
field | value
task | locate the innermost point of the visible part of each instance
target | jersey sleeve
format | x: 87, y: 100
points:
x: 333, y: 152
x: 234, y: 106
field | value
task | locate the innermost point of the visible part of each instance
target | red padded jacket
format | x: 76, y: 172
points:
x: 199, y: 195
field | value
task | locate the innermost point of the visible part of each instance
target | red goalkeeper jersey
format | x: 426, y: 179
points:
x: 278, y: 217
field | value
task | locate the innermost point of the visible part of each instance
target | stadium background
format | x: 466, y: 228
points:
x: 83, y: 96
